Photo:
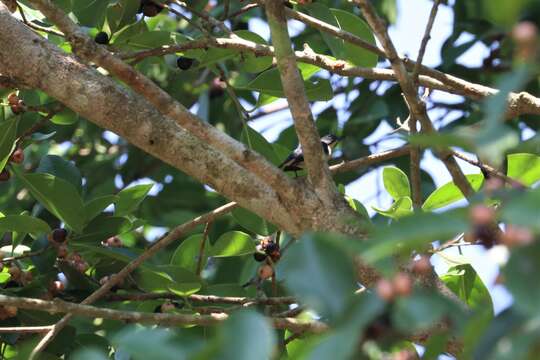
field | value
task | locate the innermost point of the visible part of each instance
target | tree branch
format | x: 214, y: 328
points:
x: 293, y: 87
x: 60, y: 306
x: 232, y: 300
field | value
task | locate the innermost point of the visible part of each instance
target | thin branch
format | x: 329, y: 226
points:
x: 425, y: 39
x: 116, y: 279
x: 201, y: 248
x: 212, y: 299
x: 369, y: 160
x: 293, y: 87
x: 24, y: 329
x: 37, y: 27
x: 60, y: 306
x: 182, y: 16
x: 23, y: 256
x: 242, y: 10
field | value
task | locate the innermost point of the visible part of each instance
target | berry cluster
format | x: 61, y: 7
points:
x: 400, y: 285
x: 267, y: 249
x: 58, y: 239
x: 17, y: 105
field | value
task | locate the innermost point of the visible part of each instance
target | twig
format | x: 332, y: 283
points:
x: 24, y: 329
x: 205, y: 16
x: 369, y: 160
x: 292, y: 337
x: 226, y: 5
x: 293, y: 87
x: 425, y: 39
x: 23, y: 255
x: 213, y: 299
x: 37, y: 27
x: 117, y: 278
x: 179, y: 14
x: 243, y: 10
x: 60, y: 306
x: 201, y: 248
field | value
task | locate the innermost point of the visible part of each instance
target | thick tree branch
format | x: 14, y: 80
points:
x: 293, y: 87
x: 59, y: 306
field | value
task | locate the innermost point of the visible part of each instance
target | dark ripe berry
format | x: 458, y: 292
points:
x: 18, y: 156
x: 102, y: 38
x: 150, y: 9
x: 271, y: 248
x: 184, y: 63
x: 59, y: 235
x: 4, y: 175
x: 259, y: 256
x: 485, y: 235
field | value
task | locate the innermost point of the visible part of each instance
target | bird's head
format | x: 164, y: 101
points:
x: 330, y: 140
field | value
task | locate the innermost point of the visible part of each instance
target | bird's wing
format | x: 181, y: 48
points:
x: 294, y: 158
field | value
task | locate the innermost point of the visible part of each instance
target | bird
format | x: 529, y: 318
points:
x: 295, y: 160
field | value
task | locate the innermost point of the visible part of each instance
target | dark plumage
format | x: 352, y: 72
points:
x: 295, y: 160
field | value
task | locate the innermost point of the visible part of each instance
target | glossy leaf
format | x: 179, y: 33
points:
x: 61, y: 168
x: 23, y: 224
x: 524, y: 168
x: 396, y: 183
x: 95, y: 206
x: 56, y: 195
x: 130, y: 198
x: 250, y: 62
x: 252, y: 222
x: 187, y: 253
x: 8, y: 133
x: 449, y: 193
x: 102, y: 227
x: 400, y: 208
x: 467, y: 285
x: 233, y: 243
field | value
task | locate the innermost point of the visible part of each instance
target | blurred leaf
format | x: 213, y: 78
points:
x: 8, y: 133
x: 233, y: 243
x: 524, y: 168
x: 56, y: 195
x: 253, y: 222
x: 168, y: 278
x: 521, y: 275
x: 503, y: 13
x: 245, y: 335
x: 95, y: 206
x: 90, y: 12
x: 410, y: 315
x: 187, y: 253
x: 400, y: 208
x: 396, y: 182
x: 121, y: 13
x: 148, y: 343
x: 61, y: 168
x: 4, y: 277
x: 449, y: 193
x: 130, y: 198
x: 151, y: 39
x: 252, y: 63
x: 23, y: 224
x: 522, y: 209
x: 319, y: 271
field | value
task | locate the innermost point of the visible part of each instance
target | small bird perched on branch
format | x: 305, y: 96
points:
x: 295, y: 160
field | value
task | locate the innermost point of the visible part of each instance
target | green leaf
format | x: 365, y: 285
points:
x: 8, y: 135
x: 522, y: 210
x: 322, y: 12
x: 467, y: 285
x: 521, y: 274
x: 187, y: 253
x: 95, y: 206
x: 357, y: 206
x: 61, y: 168
x: 168, y: 278
x: 4, y: 277
x: 449, y: 193
x: 353, y: 24
x: 136, y: 342
x: 503, y: 13
x: 252, y: 63
x: 253, y: 222
x: 319, y: 271
x: 233, y: 243
x: 246, y: 335
x: 56, y: 195
x: 23, y: 224
x: 152, y: 39
x: 130, y: 198
x: 90, y: 12
x: 102, y: 228
x: 524, y: 168
x: 121, y: 13
x: 396, y: 183
x: 65, y: 117
x: 119, y: 254
x: 259, y: 144
x: 409, y: 313
x: 400, y: 208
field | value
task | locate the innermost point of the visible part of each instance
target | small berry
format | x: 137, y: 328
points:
x: 59, y: 235
x: 56, y: 287
x: 259, y: 256
x: 217, y: 88
x: 525, y: 32
x: 102, y: 38
x: 482, y: 215
x: 265, y: 272
x: 516, y: 236
x: 4, y: 175
x: 113, y: 241
x: 402, y: 284
x: 10, y: 311
x: 422, y: 266
x: 13, y: 99
x: 150, y: 9
x: 385, y: 289
x: 18, y: 156
x: 184, y: 63
x: 15, y: 272
x: 62, y: 251
x: 271, y: 247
